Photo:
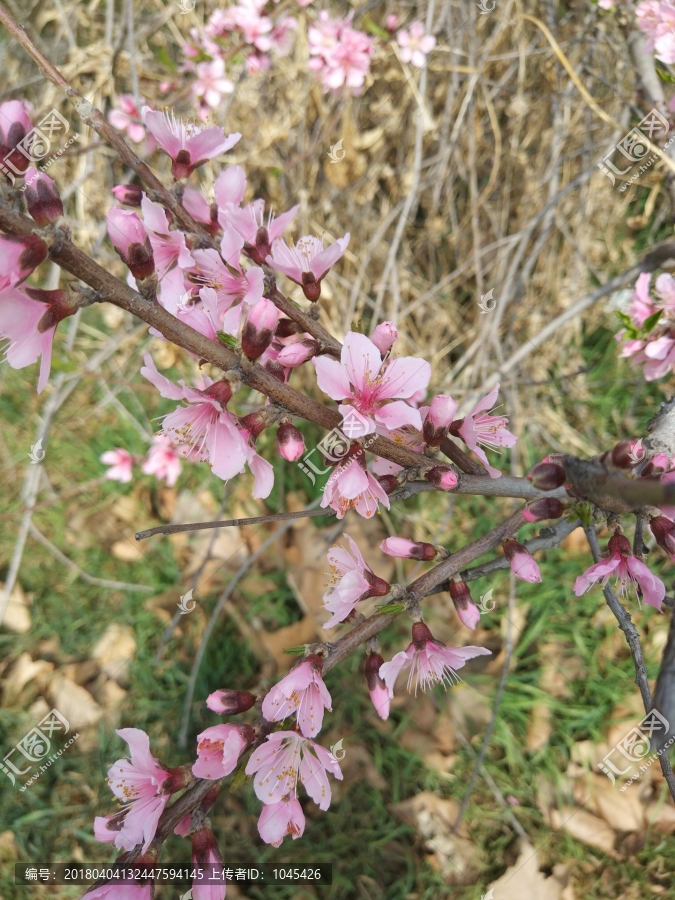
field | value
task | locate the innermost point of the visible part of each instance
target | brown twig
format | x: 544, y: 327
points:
x: 633, y: 639
x: 254, y: 520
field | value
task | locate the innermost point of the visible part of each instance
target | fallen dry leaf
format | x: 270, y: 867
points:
x: 585, y: 827
x: 17, y: 615
x: 661, y: 817
x: 455, y: 856
x: 73, y: 702
x: 114, y: 651
x: 275, y: 642
x: 126, y: 551
x: 524, y: 881
x: 9, y: 849
x: 539, y: 729
x: 469, y: 710
x: 23, y: 672
x: 621, y: 811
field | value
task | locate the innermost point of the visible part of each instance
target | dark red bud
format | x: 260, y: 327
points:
x: 140, y: 260
x: 388, y: 483
x: 220, y: 391
x: 433, y: 436
x: 378, y: 586
x: 619, y: 543
x: 544, y: 508
x: 460, y: 593
x: 422, y: 551
x: 255, y: 423
x: 628, y: 454
x: 454, y: 427
x: 314, y: 660
x: 181, y: 166
x: 128, y: 194
x: 663, y: 530
x: 547, y: 476
x: 276, y: 369
x: 262, y: 244
x: 230, y: 703
x: 311, y: 288
x: 285, y: 328
x: 442, y: 477
x: 44, y: 201
x: 511, y: 547
x: 204, y: 844
x: 421, y: 634
x: 372, y: 671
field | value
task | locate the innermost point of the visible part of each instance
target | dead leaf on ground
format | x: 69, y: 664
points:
x: 469, y: 710
x: 302, y: 632
x: 73, y: 702
x: 9, y: 849
x: 524, y: 881
x: 622, y: 811
x: 17, y: 615
x: 455, y: 857
x: 23, y: 672
x: 539, y: 729
x: 586, y: 828
x: 114, y: 651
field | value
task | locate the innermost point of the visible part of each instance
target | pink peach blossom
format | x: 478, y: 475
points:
x: 14, y: 126
x: 307, y: 263
x: 351, y: 580
x: 280, y: 819
x: 302, y: 691
x: 368, y: 385
x: 162, y: 461
x: 189, y: 146
x: 430, y: 661
x: 168, y: 246
x: 415, y: 44
x: 219, y: 749
x: 377, y: 689
x: 126, y: 118
x: 351, y: 486
x: 384, y: 336
x: 249, y: 222
x: 480, y: 427
x: 628, y: 568
x: 121, y: 462
x: 283, y: 757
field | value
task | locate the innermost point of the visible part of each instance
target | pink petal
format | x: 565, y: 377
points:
x: 362, y: 361
x: 397, y: 415
x: 332, y: 378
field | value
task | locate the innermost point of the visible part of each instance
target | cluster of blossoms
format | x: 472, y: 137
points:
x: 161, y: 460
x: 250, y: 31
x: 657, y: 20
x: 648, y: 335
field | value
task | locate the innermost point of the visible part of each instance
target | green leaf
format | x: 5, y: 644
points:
x: 240, y: 778
x: 296, y: 651
x: 162, y: 55
x: 391, y: 609
x: 375, y: 29
x: 651, y: 321
x: 627, y: 324
x: 585, y: 512
x: 665, y: 76
x: 227, y: 340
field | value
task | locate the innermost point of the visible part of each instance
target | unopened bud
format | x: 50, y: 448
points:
x: 384, y: 336
x: 205, y: 850
x: 439, y: 418
x: 42, y: 198
x: 58, y: 306
x: 254, y: 423
x: 628, y: 454
x: 442, y: 477
x: 290, y: 443
x: 276, y: 369
x: 523, y: 565
x: 259, y: 328
x: 547, y: 476
x: 128, y: 194
x: 405, y: 549
x: 298, y: 353
x: 544, y: 508
x: 466, y: 609
x: 230, y: 703
x: 388, y: 483
x: 221, y: 391
x: 663, y: 530
x: 420, y: 635
x: 376, y: 686
x: 130, y: 240
x: 285, y: 328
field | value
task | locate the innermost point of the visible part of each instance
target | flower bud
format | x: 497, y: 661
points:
x: 466, y: 608
x: 442, y: 477
x: 259, y: 328
x: 42, y: 198
x: 21, y: 254
x: 405, y: 549
x: 128, y: 194
x: 290, y: 443
x: 388, y: 483
x: 378, y: 586
x: 285, y: 328
x: 129, y: 238
x: 205, y: 855
x: 254, y: 423
x: 58, y: 307
x: 384, y: 336
x: 628, y: 454
x: 657, y: 465
x: 221, y: 391
x: 663, y: 530
x: 420, y: 635
x: 230, y: 703
x: 376, y: 686
x: 275, y: 369
x: 523, y: 565
x: 296, y: 354
x: 547, y: 476
x: 439, y: 418
x: 544, y: 508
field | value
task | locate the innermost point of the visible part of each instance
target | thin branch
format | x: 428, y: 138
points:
x: 80, y: 573
x: 254, y: 520
x: 633, y: 639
